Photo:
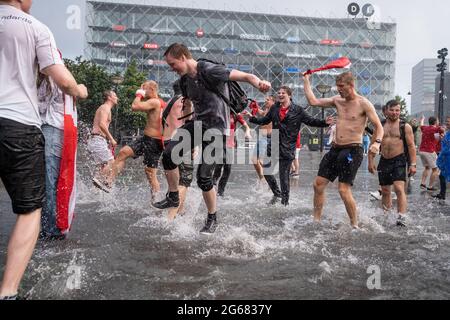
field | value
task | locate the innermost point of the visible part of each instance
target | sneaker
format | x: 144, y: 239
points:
x: 102, y: 186
x: 9, y: 298
x: 285, y: 202
x: 376, y: 195
x: 401, y: 221
x: 423, y: 187
x: 295, y: 176
x: 274, y: 201
x: 51, y: 237
x: 438, y: 196
x: 210, y: 225
x: 432, y: 189
x: 166, y: 203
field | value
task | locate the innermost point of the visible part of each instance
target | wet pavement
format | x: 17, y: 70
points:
x: 121, y: 248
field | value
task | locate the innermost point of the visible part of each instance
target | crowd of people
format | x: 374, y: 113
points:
x: 38, y: 139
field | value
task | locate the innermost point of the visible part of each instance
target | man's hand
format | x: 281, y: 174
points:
x: 375, y: 148
x: 82, y: 91
x: 330, y: 120
x: 412, y: 171
x: 306, y: 77
x: 372, y: 168
x: 113, y: 143
x: 248, y: 135
x: 140, y: 93
x: 264, y: 86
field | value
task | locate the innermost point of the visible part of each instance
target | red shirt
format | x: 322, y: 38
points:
x: 283, y: 113
x: 429, y: 142
x: 230, y: 139
x: 298, y: 144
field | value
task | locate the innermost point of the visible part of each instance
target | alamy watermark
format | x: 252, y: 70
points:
x: 75, y: 276
x: 73, y: 21
x: 374, y: 281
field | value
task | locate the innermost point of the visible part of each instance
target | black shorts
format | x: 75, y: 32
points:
x: 150, y: 148
x: 342, y: 162
x: 22, y: 165
x: 186, y: 174
x: 391, y: 170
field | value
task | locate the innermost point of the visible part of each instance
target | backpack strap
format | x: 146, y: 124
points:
x: 405, y: 143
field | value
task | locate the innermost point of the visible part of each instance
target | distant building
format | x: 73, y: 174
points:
x: 423, y: 88
x: 274, y: 47
x: 446, y: 94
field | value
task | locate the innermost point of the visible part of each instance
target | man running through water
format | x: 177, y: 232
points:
x: 264, y: 136
x: 201, y: 80
x: 222, y: 171
x: 97, y: 144
x: 151, y: 144
x: 346, y: 154
x: 397, y: 152
x: 286, y: 117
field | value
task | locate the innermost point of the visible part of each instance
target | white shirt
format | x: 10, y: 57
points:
x: 24, y: 43
x: 51, y: 105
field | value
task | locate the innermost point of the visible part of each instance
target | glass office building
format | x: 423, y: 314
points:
x: 274, y: 47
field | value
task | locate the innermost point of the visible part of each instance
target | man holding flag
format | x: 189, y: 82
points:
x: 346, y: 154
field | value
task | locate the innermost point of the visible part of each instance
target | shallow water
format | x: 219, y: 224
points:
x: 121, y: 248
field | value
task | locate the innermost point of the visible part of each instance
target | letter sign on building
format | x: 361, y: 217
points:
x: 353, y: 9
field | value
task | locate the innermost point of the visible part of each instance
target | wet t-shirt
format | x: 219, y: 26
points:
x: 209, y: 108
x: 24, y: 43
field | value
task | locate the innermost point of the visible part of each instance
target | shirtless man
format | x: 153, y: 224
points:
x: 346, y: 154
x: 394, y: 159
x: 178, y: 108
x: 151, y: 144
x: 264, y: 136
x: 97, y: 144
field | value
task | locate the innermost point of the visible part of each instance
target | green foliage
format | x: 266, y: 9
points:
x: 404, y: 114
x: 97, y: 80
x: 129, y: 121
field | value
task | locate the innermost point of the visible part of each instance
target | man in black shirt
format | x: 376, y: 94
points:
x: 210, y: 112
x: 286, y: 117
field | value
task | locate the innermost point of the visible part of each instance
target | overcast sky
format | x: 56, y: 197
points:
x: 423, y: 27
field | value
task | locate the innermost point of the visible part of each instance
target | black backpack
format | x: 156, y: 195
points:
x: 238, y: 98
x: 403, y: 137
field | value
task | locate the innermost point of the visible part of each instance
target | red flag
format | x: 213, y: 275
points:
x: 66, y: 190
x: 340, y: 63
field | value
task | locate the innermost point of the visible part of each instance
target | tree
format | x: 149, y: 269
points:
x: 127, y: 120
x: 404, y: 114
x: 96, y: 79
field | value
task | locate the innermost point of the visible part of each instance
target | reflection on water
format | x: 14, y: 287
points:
x: 121, y: 248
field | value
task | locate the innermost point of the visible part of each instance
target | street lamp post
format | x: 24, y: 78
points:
x: 117, y: 80
x: 442, y: 54
x: 323, y: 89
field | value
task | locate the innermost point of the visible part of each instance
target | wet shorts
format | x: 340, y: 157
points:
x: 186, y: 174
x: 99, y: 150
x: 428, y: 159
x: 342, y: 162
x: 390, y: 170
x: 150, y: 148
x: 22, y: 165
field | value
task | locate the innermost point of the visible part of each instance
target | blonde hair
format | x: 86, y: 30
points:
x: 346, y: 77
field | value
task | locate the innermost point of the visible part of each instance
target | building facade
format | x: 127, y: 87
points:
x: 423, y: 88
x: 274, y: 47
x: 446, y: 104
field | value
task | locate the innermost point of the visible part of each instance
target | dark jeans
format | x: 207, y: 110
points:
x: 443, y: 186
x: 284, y: 171
x: 205, y: 170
